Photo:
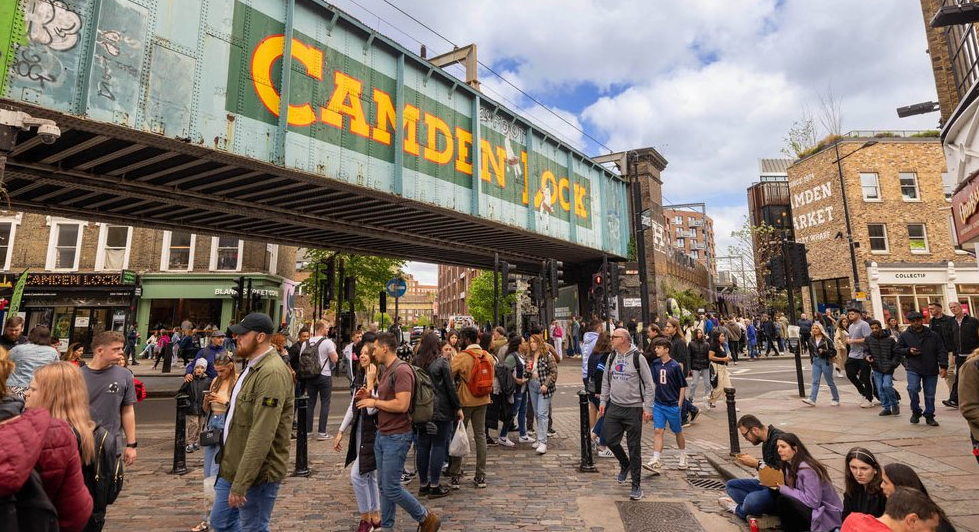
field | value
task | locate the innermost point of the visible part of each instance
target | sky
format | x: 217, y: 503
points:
x: 713, y: 85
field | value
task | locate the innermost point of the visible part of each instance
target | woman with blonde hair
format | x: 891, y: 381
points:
x: 823, y: 353
x: 543, y: 376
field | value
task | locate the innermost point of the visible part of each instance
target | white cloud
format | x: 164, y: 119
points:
x: 423, y: 272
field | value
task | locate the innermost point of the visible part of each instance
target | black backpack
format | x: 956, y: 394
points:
x: 309, y: 360
x: 104, y: 476
x: 30, y: 509
x: 504, y: 379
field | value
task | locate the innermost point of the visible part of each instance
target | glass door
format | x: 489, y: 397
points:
x: 82, y: 331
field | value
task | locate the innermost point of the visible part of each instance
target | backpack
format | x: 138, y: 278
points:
x: 309, y: 361
x: 29, y: 509
x: 422, y: 407
x: 504, y: 377
x: 480, y: 381
x: 104, y: 476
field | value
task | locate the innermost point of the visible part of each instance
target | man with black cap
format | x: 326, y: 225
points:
x: 926, y: 359
x: 209, y: 354
x: 257, y: 428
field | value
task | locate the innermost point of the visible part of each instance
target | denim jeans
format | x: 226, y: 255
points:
x: 751, y: 496
x: 254, y: 516
x: 821, y: 368
x: 431, y: 452
x: 542, y: 405
x: 599, y: 427
x: 699, y: 375
x: 390, y: 452
x: 322, y: 386
x: 211, y: 451
x: 688, y: 407
x: 520, y: 410
x: 915, y: 382
x: 885, y: 388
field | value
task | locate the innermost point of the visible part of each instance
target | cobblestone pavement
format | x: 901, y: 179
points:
x: 526, y: 491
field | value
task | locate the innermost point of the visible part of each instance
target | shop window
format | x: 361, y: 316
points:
x: 178, y: 251
x: 114, y: 241
x: 878, y: 238
x: 948, y: 185
x: 870, y: 186
x: 918, y: 238
x: 64, y: 245
x: 226, y: 254
x: 7, y: 229
x: 909, y: 186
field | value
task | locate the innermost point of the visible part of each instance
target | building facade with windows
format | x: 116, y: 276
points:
x: 86, y: 277
x: 691, y: 231
x: 453, y: 285
x: 897, y: 203
x: 769, y: 205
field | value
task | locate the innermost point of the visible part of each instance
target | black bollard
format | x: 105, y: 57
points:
x: 180, y: 436
x: 732, y: 421
x: 587, y: 460
x: 796, y: 346
x: 167, y: 355
x: 302, y: 444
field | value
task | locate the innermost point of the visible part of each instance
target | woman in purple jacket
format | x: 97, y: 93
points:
x: 807, y: 500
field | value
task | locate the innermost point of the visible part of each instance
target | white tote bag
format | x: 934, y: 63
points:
x: 459, y: 446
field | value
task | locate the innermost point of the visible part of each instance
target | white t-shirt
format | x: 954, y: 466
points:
x: 235, y: 390
x: 327, y: 350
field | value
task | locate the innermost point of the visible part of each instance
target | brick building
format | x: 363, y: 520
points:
x: 769, y: 204
x: 453, y: 284
x: 899, y: 212
x: 86, y: 277
x: 692, y: 231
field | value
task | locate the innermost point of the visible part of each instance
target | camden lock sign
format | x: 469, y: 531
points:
x: 965, y: 204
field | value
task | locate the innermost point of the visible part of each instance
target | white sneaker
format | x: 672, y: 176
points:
x: 866, y: 404
x: 727, y: 503
x: 606, y: 453
x: 834, y: 403
x: 506, y: 442
x: 526, y: 439
x: 683, y: 462
x: 542, y: 448
x: 875, y: 402
x: 322, y: 436
x: 653, y: 465
x: 536, y: 445
x: 809, y: 401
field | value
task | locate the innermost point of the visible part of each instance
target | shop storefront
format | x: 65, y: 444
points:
x: 206, y: 300
x: 77, y: 306
x: 897, y: 289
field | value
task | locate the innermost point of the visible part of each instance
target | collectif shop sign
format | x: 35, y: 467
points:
x: 965, y: 203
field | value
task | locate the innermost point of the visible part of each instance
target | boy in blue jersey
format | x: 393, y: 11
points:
x: 667, y: 401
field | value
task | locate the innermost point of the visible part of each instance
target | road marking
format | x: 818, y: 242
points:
x: 762, y: 380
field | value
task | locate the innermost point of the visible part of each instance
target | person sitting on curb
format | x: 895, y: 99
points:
x: 807, y: 500
x: 747, y: 496
x: 907, y: 510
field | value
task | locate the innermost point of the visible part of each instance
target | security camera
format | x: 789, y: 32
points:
x: 49, y: 133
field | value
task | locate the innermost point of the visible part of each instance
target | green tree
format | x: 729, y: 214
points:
x: 383, y: 320
x: 480, y: 298
x: 371, y: 274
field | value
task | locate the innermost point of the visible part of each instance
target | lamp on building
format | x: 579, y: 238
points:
x: 846, y: 210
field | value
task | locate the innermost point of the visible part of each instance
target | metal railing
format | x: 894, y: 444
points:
x: 889, y: 133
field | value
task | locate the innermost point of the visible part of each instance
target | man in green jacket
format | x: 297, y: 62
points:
x: 256, y: 432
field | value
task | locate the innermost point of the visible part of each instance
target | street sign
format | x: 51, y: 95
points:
x: 631, y: 302
x: 646, y: 219
x: 862, y: 296
x: 397, y: 287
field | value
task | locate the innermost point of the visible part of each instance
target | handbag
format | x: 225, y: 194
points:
x: 211, y: 435
x: 713, y: 375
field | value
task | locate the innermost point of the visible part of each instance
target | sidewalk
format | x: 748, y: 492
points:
x: 942, y: 456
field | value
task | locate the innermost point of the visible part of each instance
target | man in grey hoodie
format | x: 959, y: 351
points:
x: 626, y: 402
x: 587, y: 346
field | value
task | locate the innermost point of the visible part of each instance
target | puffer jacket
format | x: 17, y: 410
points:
x: 883, y: 349
x: 37, y: 438
x: 698, y: 355
x: 446, y: 402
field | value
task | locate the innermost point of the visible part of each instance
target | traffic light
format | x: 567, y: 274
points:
x: 256, y: 300
x: 349, y: 288
x: 327, y: 284
x: 556, y: 275
x: 246, y: 296
x: 776, y: 273
x: 537, y: 290
x: 509, y: 280
x: 598, y: 285
x: 796, y: 254
x: 238, y: 294
x: 382, y: 303
x: 613, y: 278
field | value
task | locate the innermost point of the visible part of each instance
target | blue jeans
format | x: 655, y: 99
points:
x: 751, y: 496
x: 542, y: 405
x: 599, y: 427
x: 752, y: 348
x: 885, y: 388
x: 211, y: 451
x: 390, y: 452
x: 520, y: 410
x: 915, y: 382
x: 688, y: 407
x: 821, y: 368
x: 431, y: 453
x: 254, y: 516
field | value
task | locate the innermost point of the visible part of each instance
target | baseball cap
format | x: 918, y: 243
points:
x: 915, y: 315
x: 256, y: 321
x: 218, y: 334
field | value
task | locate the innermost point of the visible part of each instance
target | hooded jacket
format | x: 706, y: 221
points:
x: 883, y: 349
x: 930, y: 349
x: 35, y: 438
x: 587, y: 345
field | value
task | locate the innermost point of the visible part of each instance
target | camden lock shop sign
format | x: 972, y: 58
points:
x: 965, y: 204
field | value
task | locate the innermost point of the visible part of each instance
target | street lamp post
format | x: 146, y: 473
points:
x: 846, y: 211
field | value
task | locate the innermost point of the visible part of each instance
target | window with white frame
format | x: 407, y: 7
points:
x: 679, y: 242
x: 870, y: 186
x: 948, y: 185
x: 114, y: 241
x: 918, y: 238
x: 878, y: 238
x: 272, y: 258
x: 909, y: 186
x: 178, y: 251
x: 7, y: 229
x: 695, y: 254
x: 64, y: 245
x: 226, y: 253
x: 678, y: 220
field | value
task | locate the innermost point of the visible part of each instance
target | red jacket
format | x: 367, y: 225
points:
x: 37, y: 438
